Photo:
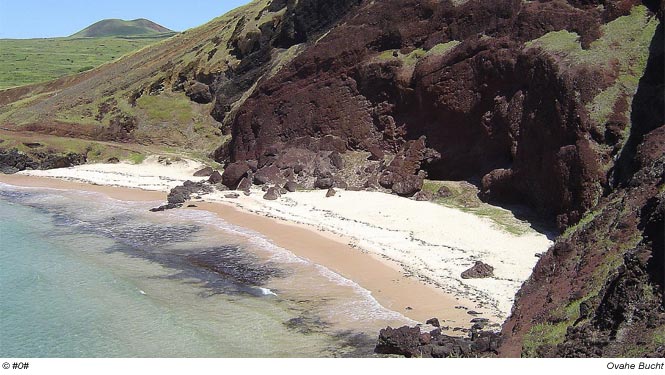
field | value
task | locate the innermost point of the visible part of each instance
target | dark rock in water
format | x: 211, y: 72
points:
x: 165, y: 207
x: 178, y: 195
x: 434, y: 322
x: 181, y: 194
x: 113, y: 160
x: 331, y: 193
x: 232, y: 195
x: 233, y: 173
x: 234, y: 264
x: 291, y: 186
x: 472, y: 312
x: 410, y: 342
x: 479, y: 270
x: 205, y: 172
x: 323, y: 183
x: 191, y: 206
x: 272, y: 194
x: 215, y: 177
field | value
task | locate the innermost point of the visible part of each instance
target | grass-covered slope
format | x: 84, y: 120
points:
x: 28, y: 61
x: 143, y: 97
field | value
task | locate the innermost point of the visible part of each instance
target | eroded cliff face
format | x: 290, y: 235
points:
x: 599, y: 290
x: 486, y: 83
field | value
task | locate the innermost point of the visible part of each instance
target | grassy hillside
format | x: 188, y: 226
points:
x: 116, y: 27
x: 142, y: 91
x: 27, y: 61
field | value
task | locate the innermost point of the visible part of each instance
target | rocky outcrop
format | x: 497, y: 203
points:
x: 12, y: 161
x: 272, y: 194
x: 215, y: 177
x: 482, y: 105
x: 411, y: 342
x: 234, y: 173
x: 598, y: 292
x: 181, y: 194
x: 204, y: 172
x: 479, y: 270
x: 199, y: 92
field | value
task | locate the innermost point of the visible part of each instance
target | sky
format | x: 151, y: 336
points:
x: 54, y: 18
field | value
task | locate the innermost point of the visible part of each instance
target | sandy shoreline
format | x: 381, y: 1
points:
x: 364, y: 236
x: 391, y: 288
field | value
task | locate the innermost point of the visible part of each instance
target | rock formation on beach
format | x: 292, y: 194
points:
x: 556, y: 105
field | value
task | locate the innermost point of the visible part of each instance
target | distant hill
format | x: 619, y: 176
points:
x: 116, y: 27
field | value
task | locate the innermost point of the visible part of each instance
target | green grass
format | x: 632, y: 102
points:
x: 27, y: 61
x: 464, y: 197
x: 166, y: 107
x: 409, y: 59
x: 136, y: 158
x: 442, y: 48
x: 543, y: 334
x: 96, y: 151
x: 623, y: 45
x: 580, y: 224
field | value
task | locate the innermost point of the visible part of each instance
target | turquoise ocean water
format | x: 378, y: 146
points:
x: 83, y: 275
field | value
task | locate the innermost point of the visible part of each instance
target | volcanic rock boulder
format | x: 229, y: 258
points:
x: 233, y: 173
x: 403, y: 175
x: 272, y: 194
x: 479, y: 270
x: 204, y: 172
x: 199, y: 93
x: 215, y: 177
x: 269, y: 175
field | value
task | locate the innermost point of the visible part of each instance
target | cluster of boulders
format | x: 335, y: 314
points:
x: 413, y: 342
x: 287, y: 169
x: 12, y: 161
x: 183, y: 193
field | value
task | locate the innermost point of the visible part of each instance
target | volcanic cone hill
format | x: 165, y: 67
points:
x: 116, y: 27
x: 555, y: 105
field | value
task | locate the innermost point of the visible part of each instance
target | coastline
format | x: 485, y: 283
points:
x: 383, y: 279
x: 424, y: 245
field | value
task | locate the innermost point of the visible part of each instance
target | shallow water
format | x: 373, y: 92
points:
x: 84, y: 275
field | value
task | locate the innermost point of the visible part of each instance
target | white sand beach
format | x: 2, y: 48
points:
x: 423, y: 240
